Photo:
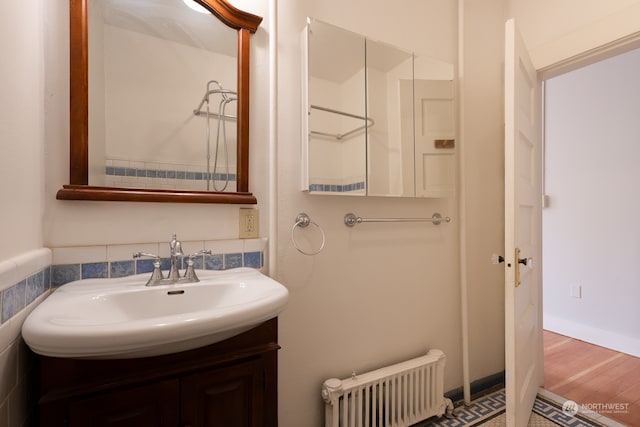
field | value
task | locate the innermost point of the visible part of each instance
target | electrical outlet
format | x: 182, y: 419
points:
x: 575, y: 291
x: 248, y: 223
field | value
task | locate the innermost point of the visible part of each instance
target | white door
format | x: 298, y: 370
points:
x: 523, y: 230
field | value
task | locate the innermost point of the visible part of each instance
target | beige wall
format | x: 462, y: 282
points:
x: 21, y: 132
x: 482, y: 89
x: 377, y: 293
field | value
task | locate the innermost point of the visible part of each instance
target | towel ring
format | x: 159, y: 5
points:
x: 303, y: 221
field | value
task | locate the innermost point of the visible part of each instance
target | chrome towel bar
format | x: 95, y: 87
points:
x: 351, y: 220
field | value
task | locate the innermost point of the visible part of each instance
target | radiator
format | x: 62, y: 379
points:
x: 394, y: 396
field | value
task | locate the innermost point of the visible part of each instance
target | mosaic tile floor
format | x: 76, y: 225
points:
x: 535, y: 421
x: 488, y: 411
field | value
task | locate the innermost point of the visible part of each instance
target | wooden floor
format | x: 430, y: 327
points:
x: 588, y: 374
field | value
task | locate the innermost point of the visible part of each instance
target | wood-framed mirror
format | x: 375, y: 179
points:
x: 81, y: 186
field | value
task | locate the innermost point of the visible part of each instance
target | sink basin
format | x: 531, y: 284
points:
x: 122, y: 318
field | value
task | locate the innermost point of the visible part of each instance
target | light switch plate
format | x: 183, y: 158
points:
x: 248, y: 221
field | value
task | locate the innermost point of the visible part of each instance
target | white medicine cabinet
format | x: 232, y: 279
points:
x: 377, y: 120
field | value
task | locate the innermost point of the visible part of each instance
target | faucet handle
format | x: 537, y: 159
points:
x: 190, y: 273
x: 202, y: 252
x: 156, y: 275
x: 145, y: 254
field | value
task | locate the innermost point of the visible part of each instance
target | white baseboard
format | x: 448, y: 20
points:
x: 593, y: 335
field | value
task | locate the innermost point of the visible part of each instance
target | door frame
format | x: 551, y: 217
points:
x: 585, y: 59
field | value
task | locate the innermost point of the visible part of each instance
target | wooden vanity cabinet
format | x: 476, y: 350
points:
x: 232, y: 383
x: 149, y: 405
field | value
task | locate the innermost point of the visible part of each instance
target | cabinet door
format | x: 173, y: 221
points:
x: 155, y: 405
x: 227, y: 397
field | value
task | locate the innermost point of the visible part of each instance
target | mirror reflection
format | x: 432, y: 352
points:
x: 381, y: 120
x: 336, y: 111
x: 390, y: 101
x: 435, y: 128
x: 162, y: 96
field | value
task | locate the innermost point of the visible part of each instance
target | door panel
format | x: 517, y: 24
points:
x: 523, y: 230
x: 228, y: 397
x: 435, y: 168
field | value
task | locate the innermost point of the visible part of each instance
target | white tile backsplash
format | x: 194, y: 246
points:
x: 8, y: 274
x: 79, y: 254
x: 8, y: 370
x: 191, y: 247
x: 125, y: 252
x: 255, y: 245
x: 224, y: 246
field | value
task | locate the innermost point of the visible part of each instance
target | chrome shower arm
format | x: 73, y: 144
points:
x: 198, y: 111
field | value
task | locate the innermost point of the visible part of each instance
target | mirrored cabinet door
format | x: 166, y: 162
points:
x: 378, y: 120
x: 336, y: 110
x: 390, y: 103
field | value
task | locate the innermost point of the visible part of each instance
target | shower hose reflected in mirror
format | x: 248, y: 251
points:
x: 227, y: 96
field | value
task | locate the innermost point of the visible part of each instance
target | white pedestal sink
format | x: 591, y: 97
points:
x: 123, y: 318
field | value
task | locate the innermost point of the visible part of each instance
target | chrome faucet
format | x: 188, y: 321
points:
x: 175, y: 246
x: 157, y: 277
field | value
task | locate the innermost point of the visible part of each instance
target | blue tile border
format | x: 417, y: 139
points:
x: 13, y: 300
x: 16, y: 297
x: 144, y: 266
x: 95, y: 270
x: 232, y: 261
x: 36, y: 286
x: 122, y: 268
x: 252, y: 259
x: 23, y: 293
x: 64, y: 273
x: 335, y: 188
x: 168, y: 174
x: 213, y: 262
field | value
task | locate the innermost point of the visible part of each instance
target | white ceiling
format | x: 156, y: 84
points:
x: 171, y: 20
x: 336, y: 54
